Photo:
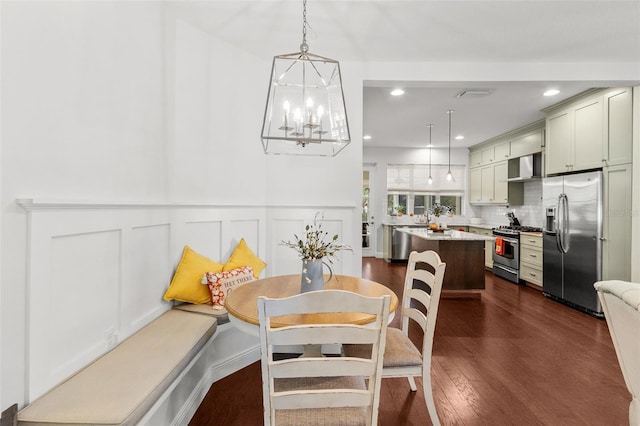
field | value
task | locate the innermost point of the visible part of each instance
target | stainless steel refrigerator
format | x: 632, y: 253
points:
x: 572, y: 256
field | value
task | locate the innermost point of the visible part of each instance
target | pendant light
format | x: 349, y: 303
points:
x: 430, y: 180
x: 449, y: 175
x: 305, y: 112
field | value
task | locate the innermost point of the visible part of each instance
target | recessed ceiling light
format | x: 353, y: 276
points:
x: 459, y: 137
x: 551, y: 92
x: 366, y: 137
x: 397, y: 92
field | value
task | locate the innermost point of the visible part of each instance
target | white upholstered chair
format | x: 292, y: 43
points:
x: 420, y: 299
x: 621, y: 305
x: 336, y: 390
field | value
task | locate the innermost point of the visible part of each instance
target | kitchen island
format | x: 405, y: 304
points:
x: 463, y: 252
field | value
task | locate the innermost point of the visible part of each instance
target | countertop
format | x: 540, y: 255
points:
x: 446, y: 235
x: 451, y: 225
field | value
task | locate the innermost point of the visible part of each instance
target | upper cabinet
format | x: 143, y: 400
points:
x: 589, y: 131
x: 618, y: 109
x: 528, y: 143
x: 489, y: 166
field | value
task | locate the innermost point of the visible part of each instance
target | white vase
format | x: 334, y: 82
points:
x: 312, y: 275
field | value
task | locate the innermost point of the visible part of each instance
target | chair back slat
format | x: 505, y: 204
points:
x: 321, y: 399
x: 321, y: 334
x: 323, y: 301
x: 417, y: 316
x: 322, y: 367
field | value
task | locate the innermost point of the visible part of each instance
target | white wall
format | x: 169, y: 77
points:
x: 82, y: 118
x: 126, y: 103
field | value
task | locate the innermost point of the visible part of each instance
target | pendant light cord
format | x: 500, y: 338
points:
x: 450, y: 112
x: 430, y: 126
x: 449, y: 174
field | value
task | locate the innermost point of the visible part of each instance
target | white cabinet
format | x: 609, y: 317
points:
x: 575, y: 137
x: 494, y: 153
x: 558, y: 147
x: 475, y: 158
x: 489, y: 167
x: 500, y: 184
x: 486, y: 156
x: 489, y: 185
x: 526, y: 144
x: 475, y: 186
x: 590, y: 133
x: 618, y: 122
x: 501, y: 151
x: 488, y: 245
x: 616, y: 224
x: 531, y: 257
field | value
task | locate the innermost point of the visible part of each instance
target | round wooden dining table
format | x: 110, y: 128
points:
x: 242, y: 302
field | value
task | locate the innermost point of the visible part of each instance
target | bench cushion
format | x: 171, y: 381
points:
x: 121, y: 386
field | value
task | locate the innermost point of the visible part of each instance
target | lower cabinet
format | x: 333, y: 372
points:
x: 488, y: 245
x: 531, y: 257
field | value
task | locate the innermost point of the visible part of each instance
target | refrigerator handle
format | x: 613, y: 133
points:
x: 559, y: 224
x: 563, y: 219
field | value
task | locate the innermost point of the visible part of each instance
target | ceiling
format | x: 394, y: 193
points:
x: 480, y: 111
x: 598, y: 34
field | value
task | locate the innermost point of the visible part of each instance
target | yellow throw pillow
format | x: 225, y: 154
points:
x: 185, y: 285
x: 243, y: 256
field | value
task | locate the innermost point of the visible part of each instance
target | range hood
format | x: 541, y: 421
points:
x: 526, y: 168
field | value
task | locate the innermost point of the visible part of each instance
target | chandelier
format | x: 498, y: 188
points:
x: 305, y: 112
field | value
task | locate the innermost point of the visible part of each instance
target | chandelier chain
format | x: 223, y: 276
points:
x: 304, y: 47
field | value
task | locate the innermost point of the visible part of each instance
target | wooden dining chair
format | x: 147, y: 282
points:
x: 420, y: 299
x: 333, y: 389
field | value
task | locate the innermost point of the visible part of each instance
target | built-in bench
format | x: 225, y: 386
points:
x: 159, y: 375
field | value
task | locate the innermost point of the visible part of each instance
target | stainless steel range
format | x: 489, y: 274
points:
x: 506, y: 249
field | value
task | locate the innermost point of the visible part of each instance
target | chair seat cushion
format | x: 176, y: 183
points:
x: 321, y: 416
x: 398, y: 352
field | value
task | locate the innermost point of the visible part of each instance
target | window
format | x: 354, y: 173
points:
x: 409, y: 192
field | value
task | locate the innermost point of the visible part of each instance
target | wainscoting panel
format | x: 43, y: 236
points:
x: 81, y: 303
x: 284, y: 223
x: 97, y: 272
x: 204, y: 237
x: 147, y: 272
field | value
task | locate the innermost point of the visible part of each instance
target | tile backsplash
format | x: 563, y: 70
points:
x: 529, y: 214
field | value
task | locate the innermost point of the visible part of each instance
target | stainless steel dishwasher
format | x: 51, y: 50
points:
x: 400, y: 244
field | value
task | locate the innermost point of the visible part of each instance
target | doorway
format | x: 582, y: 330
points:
x: 368, y: 209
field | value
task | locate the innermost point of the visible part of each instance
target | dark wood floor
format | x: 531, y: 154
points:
x: 511, y: 357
